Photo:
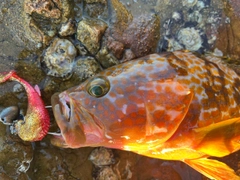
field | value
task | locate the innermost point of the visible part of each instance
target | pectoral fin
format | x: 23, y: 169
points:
x: 213, y: 169
x: 219, y: 139
x: 166, y: 102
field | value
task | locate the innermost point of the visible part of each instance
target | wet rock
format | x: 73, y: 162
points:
x: 90, y: 32
x: 228, y: 38
x: 68, y: 28
x: 141, y: 35
x: 95, y: 10
x: 59, y: 57
x: 4, y: 176
x: 45, y: 8
x: 189, y: 3
x: 107, y: 173
x: 169, y: 44
x: 193, y: 27
x: 96, y: 1
x: 82, y: 51
x: 102, y: 157
x: 105, y: 58
x: 235, y: 4
x: 85, y: 67
x: 55, y: 163
x: 128, y: 55
x: 13, y: 155
x: 13, y: 36
x: 44, y: 17
x: 120, y: 18
x: 116, y: 47
x: 17, y: 88
x: 132, y: 166
x: 9, y: 114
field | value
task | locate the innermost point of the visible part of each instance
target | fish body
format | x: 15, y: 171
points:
x: 173, y: 106
x: 36, y: 121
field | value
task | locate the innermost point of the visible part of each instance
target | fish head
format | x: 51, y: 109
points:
x: 122, y: 105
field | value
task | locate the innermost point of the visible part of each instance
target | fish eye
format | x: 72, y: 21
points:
x: 98, y: 86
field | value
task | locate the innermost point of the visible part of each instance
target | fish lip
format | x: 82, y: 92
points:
x: 91, y: 127
x: 59, y: 101
x: 63, y: 100
x: 55, y: 99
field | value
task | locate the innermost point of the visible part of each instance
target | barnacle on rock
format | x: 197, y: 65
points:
x: 190, y: 38
x: 59, y: 57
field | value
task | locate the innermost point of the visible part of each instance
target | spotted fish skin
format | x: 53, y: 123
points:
x: 171, y: 106
x: 216, y: 88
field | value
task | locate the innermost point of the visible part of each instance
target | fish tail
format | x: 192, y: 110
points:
x: 213, y: 169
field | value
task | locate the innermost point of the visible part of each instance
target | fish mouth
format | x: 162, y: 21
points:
x: 62, y: 113
x: 89, y: 129
x: 64, y: 103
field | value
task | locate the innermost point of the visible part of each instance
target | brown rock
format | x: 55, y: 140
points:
x: 96, y: 10
x: 228, y: 34
x: 235, y: 5
x: 120, y: 18
x: 44, y: 8
x: 85, y: 67
x: 142, y: 35
x: 44, y: 17
x: 128, y: 55
x: 102, y: 157
x: 116, y: 48
x: 90, y: 32
x: 105, y: 58
x: 68, y: 28
x: 107, y: 173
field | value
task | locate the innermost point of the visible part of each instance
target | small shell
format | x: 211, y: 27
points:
x: 9, y: 114
x: 59, y: 57
x: 190, y: 38
x: 178, y: 16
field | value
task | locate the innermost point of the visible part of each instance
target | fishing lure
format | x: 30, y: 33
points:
x: 36, y: 121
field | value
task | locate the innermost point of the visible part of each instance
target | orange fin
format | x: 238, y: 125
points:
x: 213, y: 169
x: 219, y: 139
x: 166, y: 102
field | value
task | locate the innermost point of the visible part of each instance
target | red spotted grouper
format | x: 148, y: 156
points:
x: 172, y: 106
